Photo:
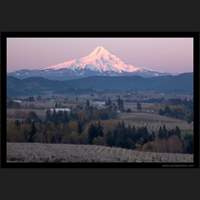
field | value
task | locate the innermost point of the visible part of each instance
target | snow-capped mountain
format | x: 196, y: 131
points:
x: 100, y: 62
x: 100, y: 59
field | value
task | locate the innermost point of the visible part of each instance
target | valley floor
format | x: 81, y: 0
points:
x: 37, y: 152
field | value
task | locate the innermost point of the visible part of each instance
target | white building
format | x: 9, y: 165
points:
x: 98, y: 104
x: 17, y: 101
x: 60, y: 110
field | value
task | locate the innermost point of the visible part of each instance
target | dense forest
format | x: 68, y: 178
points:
x: 87, y: 128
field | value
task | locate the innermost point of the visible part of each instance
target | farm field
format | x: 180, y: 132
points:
x: 153, y: 121
x: 37, y: 152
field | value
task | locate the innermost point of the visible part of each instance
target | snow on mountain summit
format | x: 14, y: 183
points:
x: 100, y: 62
x: 100, y: 59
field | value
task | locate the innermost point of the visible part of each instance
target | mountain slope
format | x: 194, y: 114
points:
x: 100, y: 62
x: 100, y: 59
x: 33, y: 86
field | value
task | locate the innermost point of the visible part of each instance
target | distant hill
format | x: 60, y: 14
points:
x: 182, y: 83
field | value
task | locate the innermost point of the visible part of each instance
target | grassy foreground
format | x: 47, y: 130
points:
x: 37, y: 152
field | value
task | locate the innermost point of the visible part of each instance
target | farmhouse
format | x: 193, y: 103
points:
x: 17, y: 101
x: 60, y: 110
x: 98, y: 104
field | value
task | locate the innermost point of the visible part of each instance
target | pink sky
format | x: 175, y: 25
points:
x: 173, y: 55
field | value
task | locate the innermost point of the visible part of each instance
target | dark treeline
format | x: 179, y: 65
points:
x: 80, y: 115
x: 130, y: 137
x: 173, y: 101
x: 77, y: 128
x: 179, y: 113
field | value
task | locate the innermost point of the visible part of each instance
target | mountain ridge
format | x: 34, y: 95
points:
x: 38, y: 85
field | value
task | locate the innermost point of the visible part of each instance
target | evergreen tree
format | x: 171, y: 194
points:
x: 31, y: 99
x: 188, y: 143
x: 54, y: 116
x: 87, y: 103
x: 91, y: 133
x: 160, y: 133
x: 164, y: 132
x: 139, y: 107
x: 178, y: 132
x: 167, y: 110
x: 153, y: 136
x: 65, y: 117
x: 99, y: 130
x: 120, y: 104
x: 48, y: 116
x: 32, y: 117
x: 80, y: 127
x: 39, y: 98
x: 17, y: 123
x: 108, y: 102
x: 95, y: 130
x: 109, y: 138
x: 32, y: 133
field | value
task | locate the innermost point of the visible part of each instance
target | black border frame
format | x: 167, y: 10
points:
x: 5, y: 35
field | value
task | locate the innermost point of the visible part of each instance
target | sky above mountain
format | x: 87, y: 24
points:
x: 174, y: 55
